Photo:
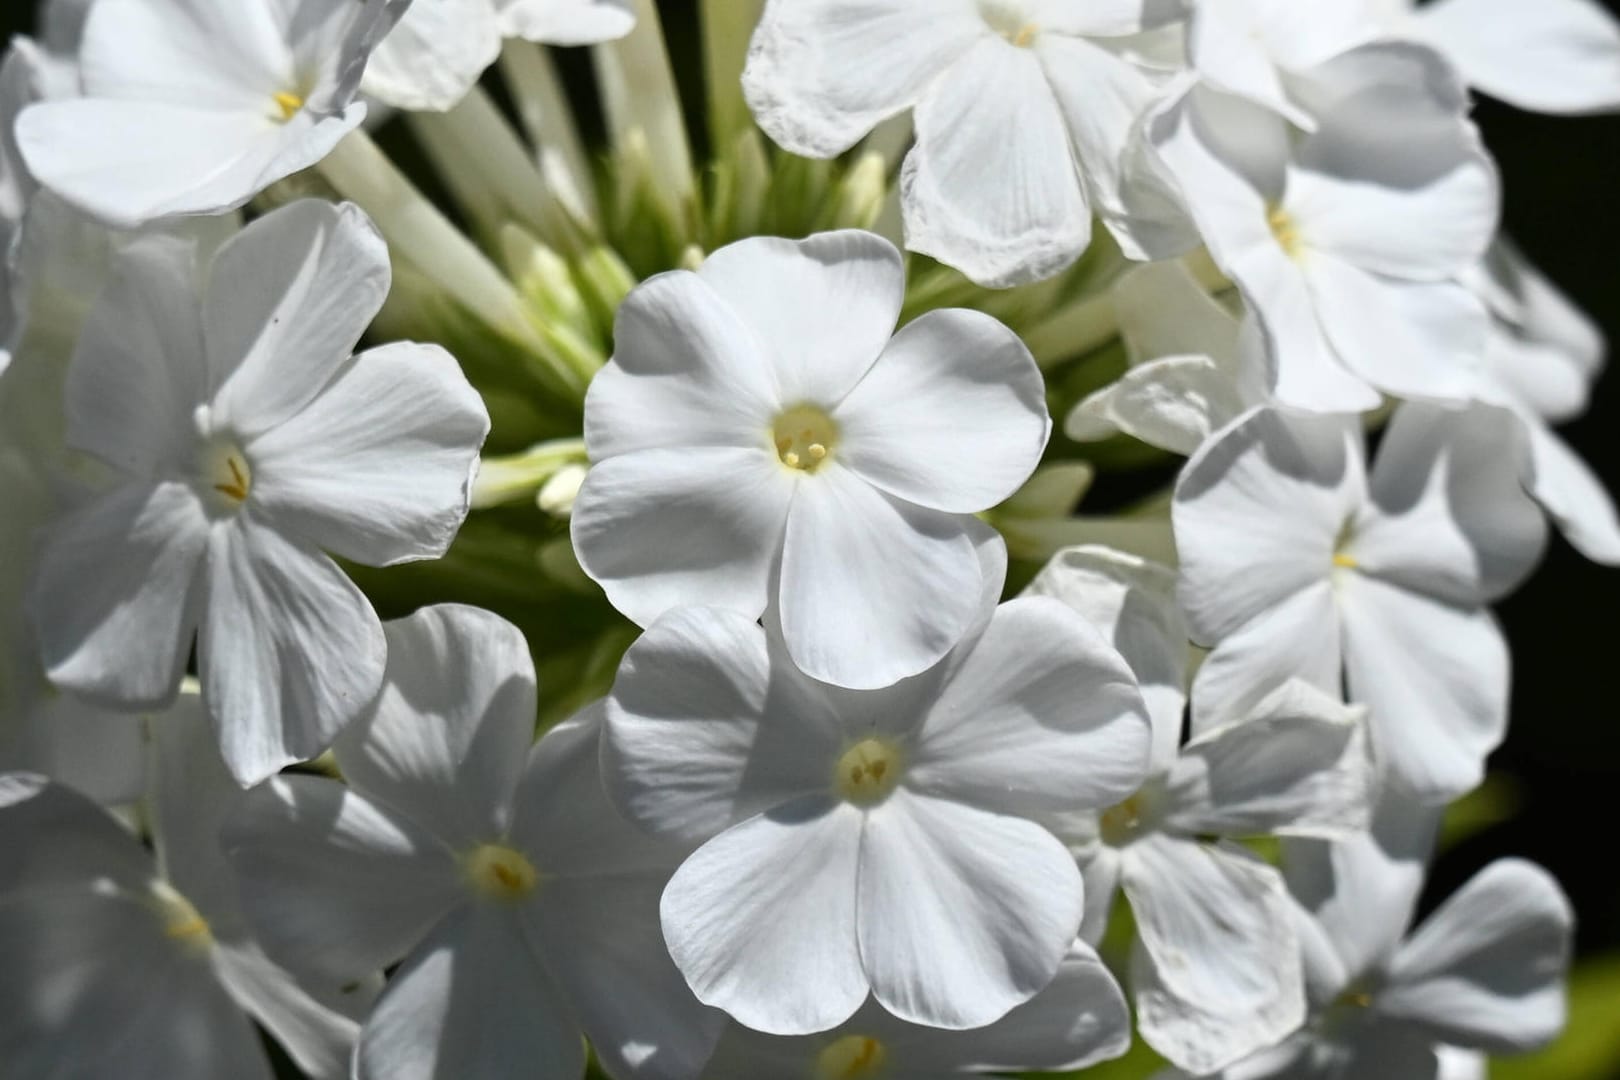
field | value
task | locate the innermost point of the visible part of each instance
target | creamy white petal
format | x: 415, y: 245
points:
x: 184, y: 51
x: 762, y: 919
x: 1173, y: 403
x: 951, y: 417
x: 435, y: 55
x: 1300, y: 638
x: 662, y: 528
x: 872, y: 588
x: 1558, y: 56
x: 823, y: 73
x: 1487, y: 969
x: 471, y: 1001
x: 332, y: 883
x: 1435, y: 680
x: 991, y: 185
x: 566, y: 22
x: 703, y: 731
x: 963, y: 913
x: 379, y: 467
x: 116, y: 598
x: 289, y: 651
x: 288, y: 299
x: 445, y: 743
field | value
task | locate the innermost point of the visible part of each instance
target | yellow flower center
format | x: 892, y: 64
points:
x: 288, y: 105
x: 854, y: 1057
x: 1121, y: 823
x: 226, y: 474
x: 181, y: 920
x: 1285, y: 229
x: 868, y: 771
x: 804, y: 437
x: 1009, y: 19
x: 1344, y: 561
x: 501, y: 873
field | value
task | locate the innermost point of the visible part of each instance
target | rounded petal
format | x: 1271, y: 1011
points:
x: 991, y: 186
x: 665, y: 528
x: 115, y: 599
x: 379, y: 467
x: 823, y: 73
x: 1572, y: 493
x: 1298, y: 639
x: 1559, y: 56
x: 290, y: 650
x: 951, y: 417
x: 964, y: 914
x: 1042, y: 715
x: 288, y: 298
x: 319, y: 1035
x: 821, y: 309
x: 567, y: 22
x: 872, y: 589
x: 446, y: 742
x: 435, y: 55
x: 762, y: 919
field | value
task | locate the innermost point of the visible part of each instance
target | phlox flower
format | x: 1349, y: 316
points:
x: 1079, y: 1020
x: 1023, y: 110
x: 119, y: 966
x: 522, y: 908
x: 243, y: 440
x: 1295, y: 562
x: 1215, y: 971
x: 1347, y: 241
x: 871, y: 843
x: 194, y: 106
x: 762, y: 437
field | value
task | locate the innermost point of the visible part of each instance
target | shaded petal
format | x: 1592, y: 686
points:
x: 567, y: 22
x: 762, y: 919
x: 319, y: 1035
x: 1298, y: 639
x: 872, y: 589
x: 951, y: 417
x: 964, y: 914
x: 58, y: 839
x: 1559, y: 56
x: 1573, y: 494
x: 435, y: 55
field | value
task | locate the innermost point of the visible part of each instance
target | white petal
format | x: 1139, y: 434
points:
x: 289, y: 652
x: 379, y: 467
x: 115, y: 601
x: 822, y: 73
x: 1258, y: 511
x: 1174, y: 404
x: 1298, y: 764
x: 1547, y: 349
x: 288, y: 298
x: 964, y: 914
x: 1298, y: 639
x: 472, y: 1000
x: 951, y: 417
x: 91, y: 749
x: 59, y: 839
x: 446, y: 742
x: 1218, y: 976
x: 1572, y: 493
x: 138, y: 372
x: 762, y: 919
x: 1042, y: 715
x: 435, y: 55
x: 1435, y: 679
x: 1558, y: 56
x: 1447, y: 518
x: 332, y: 883
x: 318, y: 1036
x: 821, y: 309
x: 662, y: 528
x: 872, y: 589
x: 1487, y: 969
x: 567, y: 22
x: 991, y: 186
x: 186, y: 50
x: 686, y: 372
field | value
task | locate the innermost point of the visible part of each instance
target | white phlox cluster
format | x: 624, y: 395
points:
x: 482, y: 600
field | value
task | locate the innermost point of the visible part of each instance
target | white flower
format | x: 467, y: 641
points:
x: 1551, y: 56
x: 1346, y: 242
x: 1079, y: 1019
x: 441, y: 47
x: 244, y: 440
x: 522, y: 907
x: 193, y: 107
x: 117, y: 966
x: 1484, y: 972
x: 1023, y: 109
x: 871, y: 842
x: 1194, y: 366
x: 1216, y: 973
x: 1294, y: 563
x: 759, y: 439
x: 1541, y: 359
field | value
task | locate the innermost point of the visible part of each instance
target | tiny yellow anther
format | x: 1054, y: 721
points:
x: 289, y: 104
x: 804, y: 436
x: 853, y: 1057
x: 237, y: 486
x: 1026, y: 35
x: 868, y: 771
x: 1285, y: 229
x: 1344, y: 562
x: 500, y: 872
x: 817, y: 451
x: 790, y: 459
x: 182, y: 922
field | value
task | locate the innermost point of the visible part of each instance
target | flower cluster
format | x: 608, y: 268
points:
x: 670, y: 647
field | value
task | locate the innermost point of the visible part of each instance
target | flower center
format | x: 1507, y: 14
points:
x: 1009, y: 19
x: 181, y: 921
x: 226, y: 474
x: 805, y: 437
x: 1285, y: 229
x: 868, y: 771
x: 1122, y: 823
x: 501, y: 873
x: 854, y: 1057
x: 287, y: 104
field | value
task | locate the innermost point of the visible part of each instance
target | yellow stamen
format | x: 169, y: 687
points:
x: 1026, y: 35
x: 182, y: 922
x: 804, y: 437
x: 1344, y: 562
x: 1120, y: 823
x: 868, y: 771
x: 1285, y: 229
x: 853, y: 1057
x: 289, y: 104
x: 237, y: 487
x: 500, y: 872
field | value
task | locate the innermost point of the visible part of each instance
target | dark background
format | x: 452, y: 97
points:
x: 1563, y: 752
